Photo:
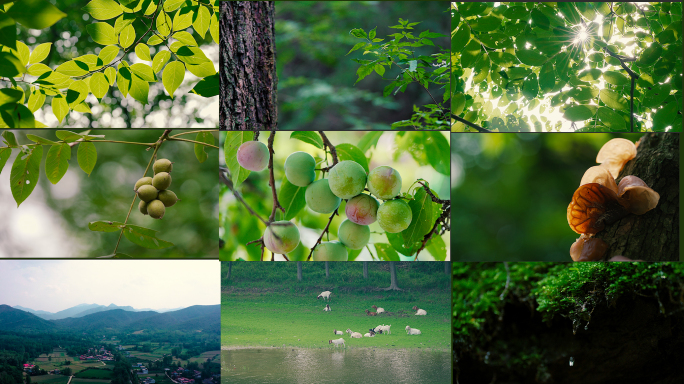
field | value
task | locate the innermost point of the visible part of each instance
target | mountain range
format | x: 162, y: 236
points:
x: 85, y: 309
x: 205, y: 318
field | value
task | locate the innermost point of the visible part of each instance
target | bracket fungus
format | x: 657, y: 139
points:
x: 600, y: 200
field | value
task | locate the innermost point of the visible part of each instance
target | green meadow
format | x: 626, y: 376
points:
x: 263, y: 305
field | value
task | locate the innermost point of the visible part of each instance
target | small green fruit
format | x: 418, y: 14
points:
x: 352, y: 235
x: 394, y: 216
x: 330, y: 251
x: 253, y: 155
x: 167, y: 197
x: 141, y: 182
x: 347, y: 179
x: 156, y: 209
x: 300, y: 169
x: 384, y: 182
x: 142, y: 206
x: 161, y: 181
x: 319, y: 197
x: 281, y: 237
x: 147, y: 193
x: 162, y: 165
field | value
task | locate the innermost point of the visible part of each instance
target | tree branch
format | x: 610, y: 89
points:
x: 468, y: 123
x: 228, y: 183
x: 276, y: 203
x: 443, y: 219
x: 333, y: 151
x: 320, y: 238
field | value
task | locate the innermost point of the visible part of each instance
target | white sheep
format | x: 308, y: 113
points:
x: 378, y: 310
x: 325, y: 295
x: 420, y: 312
x: 327, y: 308
x: 369, y: 334
x: 338, y: 332
x: 354, y: 335
x: 412, y: 331
x: 386, y: 329
x: 337, y: 342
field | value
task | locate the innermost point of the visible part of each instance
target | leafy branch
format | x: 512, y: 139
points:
x: 443, y: 221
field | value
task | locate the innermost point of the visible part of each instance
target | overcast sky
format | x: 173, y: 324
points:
x: 54, y: 285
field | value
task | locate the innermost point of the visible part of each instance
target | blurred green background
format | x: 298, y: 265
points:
x: 510, y: 193
x: 53, y: 220
x: 316, y: 80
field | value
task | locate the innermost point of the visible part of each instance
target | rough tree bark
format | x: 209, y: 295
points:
x: 327, y: 271
x: 365, y: 269
x: 299, y: 271
x: 393, y: 273
x: 248, y: 59
x: 653, y: 236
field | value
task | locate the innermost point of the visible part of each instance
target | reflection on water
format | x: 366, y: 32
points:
x: 309, y: 366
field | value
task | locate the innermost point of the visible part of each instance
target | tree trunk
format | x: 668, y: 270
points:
x: 247, y: 67
x: 653, y: 236
x: 299, y: 271
x: 393, y: 273
x: 230, y: 266
x: 327, y: 272
x: 365, y: 269
x: 447, y: 268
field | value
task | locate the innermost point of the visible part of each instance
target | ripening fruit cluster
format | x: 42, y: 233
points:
x: 346, y: 180
x: 153, y: 191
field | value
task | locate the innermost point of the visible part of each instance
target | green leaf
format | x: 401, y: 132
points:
x: 87, y: 156
x: 370, y: 139
x: 481, y: 69
x: 350, y: 152
x: 103, y: 9
x: 530, y: 87
x: 18, y: 116
x: 663, y: 117
x: 154, y: 40
x: 123, y: 21
x: 8, y: 31
x: 496, y: 40
x: 563, y: 65
x: 10, y: 65
x: 191, y: 55
x: 35, y: 14
x: 540, y: 20
x: 183, y: 19
x: 214, y: 27
x: 201, y: 21
x: 503, y: 59
x: 140, y: 89
x: 568, y: 10
x: 57, y: 162
x: 291, y: 197
x: 205, y: 69
x: 10, y: 139
x: 517, y: 13
x: 470, y: 54
x: 422, y: 221
x: 580, y: 112
x: 9, y: 95
x: 143, y: 71
x: 82, y: 107
x: 397, y: 242
x: 531, y: 57
x: 145, y: 237
x: 77, y: 92
x: 60, y: 107
x: 5, y: 153
x: 23, y: 53
x: 203, y: 137
x: 486, y: 24
x: 459, y: 39
x: 127, y: 36
x: 667, y: 36
x: 102, y: 33
x: 386, y: 252
x: 172, y: 5
x: 99, y: 85
x: 590, y: 75
x: 309, y: 137
x: 232, y: 142
x: 25, y: 172
x: 613, y: 100
x: 654, y: 98
x: 458, y: 102
x: 207, y: 87
x: 615, y: 78
x: 40, y: 53
x: 185, y: 38
x: 143, y: 52
x: 160, y: 59
x: 123, y: 80
x: 611, y: 119
x: 173, y: 76
x: 164, y: 24
x: 105, y: 226
x: 357, y: 46
x: 107, y: 54
x: 110, y: 75
x: 73, y: 68
x: 547, y: 78
x: 438, y: 152
x: 649, y: 55
x: 36, y: 101
x: 437, y: 247
x: 38, y: 69
x: 40, y: 140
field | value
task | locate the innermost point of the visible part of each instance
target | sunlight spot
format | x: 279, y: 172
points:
x: 528, y: 45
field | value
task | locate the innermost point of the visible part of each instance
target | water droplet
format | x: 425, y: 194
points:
x: 572, y: 361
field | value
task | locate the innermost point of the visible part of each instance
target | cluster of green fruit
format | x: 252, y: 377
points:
x: 347, y: 180
x: 153, y: 191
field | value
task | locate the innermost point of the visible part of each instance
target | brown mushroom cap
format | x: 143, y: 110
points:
x: 636, y: 196
x: 615, y: 154
x: 588, y: 249
x: 599, y: 175
x: 592, y: 206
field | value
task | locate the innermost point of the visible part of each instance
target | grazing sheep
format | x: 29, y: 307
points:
x: 327, y: 308
x: 338, y: 332
x: 354, y: 335
x: 420, y: 312
x: 371, y: 330
x: 383, y: 329
x: 378, y: 310
x: 369, y: 313
x: 370, y: 334
x: 325, y: 295
x: 412, y: 331
x: 337, y: 342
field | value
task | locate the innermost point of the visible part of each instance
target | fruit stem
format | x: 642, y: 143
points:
x: 325, y: 230
x: 193, y: 141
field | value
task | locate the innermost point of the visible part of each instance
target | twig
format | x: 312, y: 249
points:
x: 325, y: 230
x: 468, y: 123
x: 443, y: 219
x: 328, y: 144
x: 276, y: 203
x: 193, y: 141
x: 228, y: 183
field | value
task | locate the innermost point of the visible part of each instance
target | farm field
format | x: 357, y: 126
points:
x: 213, y: 355
x: 88, y: 381
x: 284, y: 320
x: 50, y: 379
x: 102, y: 374
x: 58, y: 362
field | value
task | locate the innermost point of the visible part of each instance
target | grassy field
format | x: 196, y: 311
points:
x: 76, y: 364
x: 213, y: 355
x: 88, y: 381
x: 92, y: 373
x: 50, y: 379
x: 274, y: 313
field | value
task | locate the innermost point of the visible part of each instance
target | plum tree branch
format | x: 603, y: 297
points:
x: 325, y: 230
x: 228, y: 183
x: 271, y: 181
x: 443, y: 219
x: 468, y: 123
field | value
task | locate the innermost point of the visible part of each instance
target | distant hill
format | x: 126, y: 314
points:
x: 12, y: 319
x: 199, y: 317
x: 84, y: 310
